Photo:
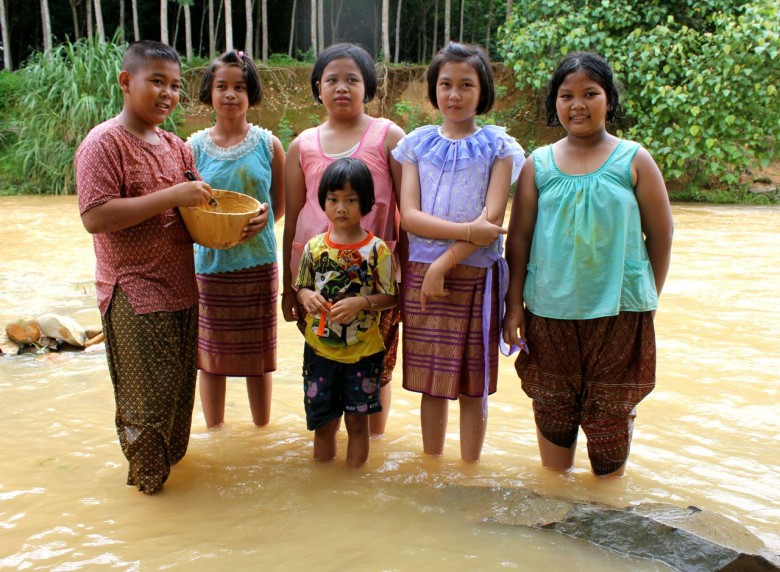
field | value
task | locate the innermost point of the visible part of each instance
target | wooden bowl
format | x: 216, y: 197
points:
x: 220, y: 226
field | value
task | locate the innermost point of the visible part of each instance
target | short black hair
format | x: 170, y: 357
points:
x: 139, y: 53
x: 455, y: 52
x: 352, y: 171
x: 593, y: 66
x: 254, y: 85
x: 348, y: 51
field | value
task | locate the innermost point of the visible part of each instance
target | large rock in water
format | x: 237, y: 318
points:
x: 24, y: 331
x: 62, y: 328
x: 686, y: 539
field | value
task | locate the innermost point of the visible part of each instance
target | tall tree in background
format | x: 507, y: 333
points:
x: 292, y: 28
x: 314, y: 28
x: 489, y: 24
x: 228, y: 25
x: 385, y: 30
x: 164, y: 38
x: 187, y: 28
x: 397, y: 29
x: 447, y: 20
x: 320, y: 25
x: 212, y: 39
x: 264, y: 13
x: 7, y: 61
x: 100, y: 28
x: 89, y: 19
x: 46, y: 25
x: 73, y: 14
x: 434, y: 47
x: 136, y: 33
x: 250, y: 31
x: 460, y: 33
x: 122, y: 21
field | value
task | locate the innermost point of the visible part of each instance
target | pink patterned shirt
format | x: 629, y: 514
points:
x: 152, y: 261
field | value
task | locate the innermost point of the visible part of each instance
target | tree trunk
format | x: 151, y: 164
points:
x: 46, y: 22
x: 228, y: 25
x: 314, y: 27
x: 508, y: 9
x: 176, y: 26
x: 89, y: 19
x: 122, y: 21
x: 136, y: 33
x: 460, y: 34
x: 434, y: 47
x: 385, y: 30
x: 187, y: 31
x: 7, y: 61
x: 101, y: 30
x: 447, y: 20
x: 489, y: 25
x: 292, y: 28
x: 264, y: 12
x: 250, y: 32
x: 397, y: 29
x: 212, y: 42
x: 320, y: 25
x: 74, y: 13
x: 164, y: 37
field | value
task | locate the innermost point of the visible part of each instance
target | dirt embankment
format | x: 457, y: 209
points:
x: 288, y: 105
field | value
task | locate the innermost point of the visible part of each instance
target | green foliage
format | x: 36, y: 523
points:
x: 699, y: 90
x: 283, y: 60
x: 409, y: 116
x: 66, y: 93
x: 285, y: 132
x: 10, y: 91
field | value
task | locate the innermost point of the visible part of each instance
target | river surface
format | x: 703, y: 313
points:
x: 249, y: 498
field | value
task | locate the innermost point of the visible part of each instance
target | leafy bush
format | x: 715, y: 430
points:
x: 66, y: 93
x: 699, y: 90
x: 10, y: 91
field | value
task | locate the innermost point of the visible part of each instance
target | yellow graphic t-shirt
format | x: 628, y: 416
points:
x: 338, y: 271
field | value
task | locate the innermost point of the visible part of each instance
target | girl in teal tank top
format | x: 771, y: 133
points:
x: 588, y: 250
x: 238, y: 286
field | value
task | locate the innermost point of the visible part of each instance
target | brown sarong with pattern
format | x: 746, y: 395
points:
x: 589, y: 373
x: 443, y: 354
x: 152, y: 359
x: 237, y: 321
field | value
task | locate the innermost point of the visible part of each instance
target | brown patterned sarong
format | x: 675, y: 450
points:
x: 388, y: 325
x: 443, y: 354
x: 589, y: 373
x: 237, y: 321
x: 152, y: 359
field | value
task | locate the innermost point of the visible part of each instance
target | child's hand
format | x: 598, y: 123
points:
x: 514, y: 328
x: 190, y: 194
x: 433, y: 284
x: 345, y: 311
x: 484, y: 232
x: 290, y: 306
x: 313, y: 302
x: 257, y: 223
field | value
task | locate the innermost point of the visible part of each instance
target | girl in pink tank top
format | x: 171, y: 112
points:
x: 343, y: 80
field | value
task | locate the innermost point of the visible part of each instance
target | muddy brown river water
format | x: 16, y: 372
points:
x: 248, y: 498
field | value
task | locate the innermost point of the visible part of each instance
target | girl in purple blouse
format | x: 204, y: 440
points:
x: 454, y: 191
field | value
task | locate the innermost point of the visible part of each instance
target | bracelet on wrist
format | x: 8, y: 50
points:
x: 468, y: 232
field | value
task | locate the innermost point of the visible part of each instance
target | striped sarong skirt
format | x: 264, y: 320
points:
x: 237, y: 321
x: 443, y: 354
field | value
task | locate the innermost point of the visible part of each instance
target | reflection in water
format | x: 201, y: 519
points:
x: 243, y: 497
